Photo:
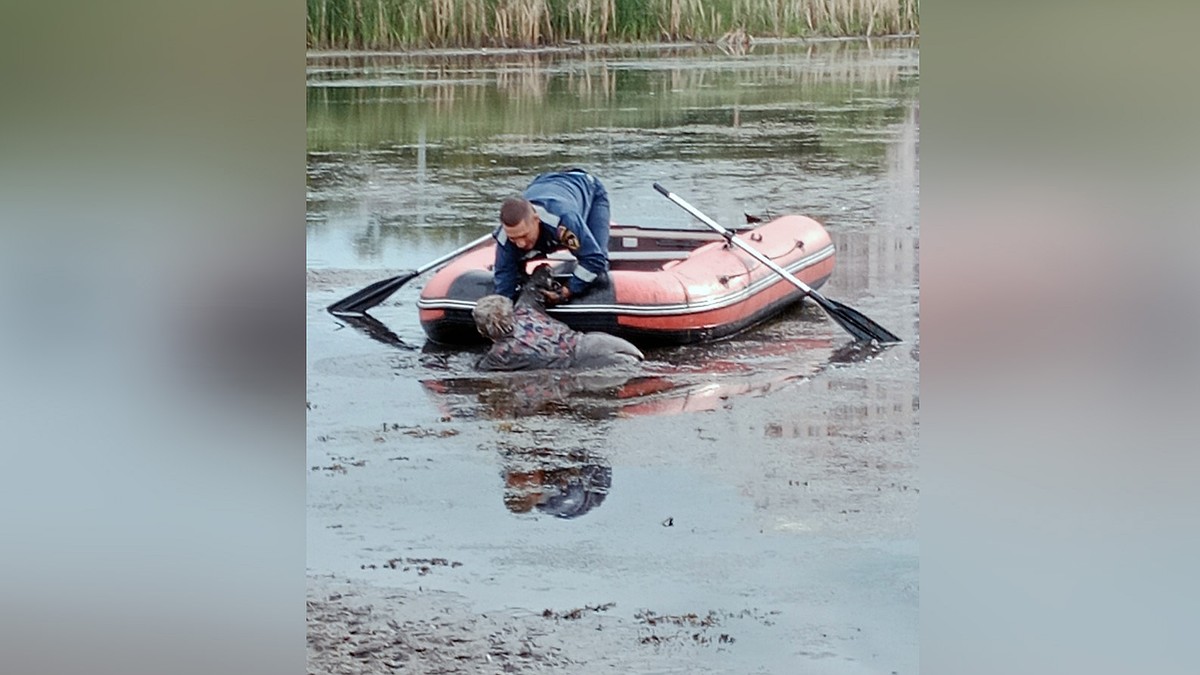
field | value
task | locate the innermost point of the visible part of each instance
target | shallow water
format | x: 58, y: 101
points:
x: 773, y: 474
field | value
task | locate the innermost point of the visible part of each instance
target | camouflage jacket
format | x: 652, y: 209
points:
x: 537, y: 341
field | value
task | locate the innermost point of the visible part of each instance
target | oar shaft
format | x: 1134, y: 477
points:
x: 734, y: 239
x: 357, y: 303
x: 453, y: 254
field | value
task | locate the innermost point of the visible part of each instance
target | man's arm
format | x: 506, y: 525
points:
x: 592, y: 261
x: 505, y: 272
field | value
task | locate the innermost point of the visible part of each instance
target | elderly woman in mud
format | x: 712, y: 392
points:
x: 524, y: 337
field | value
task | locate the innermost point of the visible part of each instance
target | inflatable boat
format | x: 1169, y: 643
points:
x: 664, y: 287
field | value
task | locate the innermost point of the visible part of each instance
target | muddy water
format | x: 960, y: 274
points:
x: 743, y: 506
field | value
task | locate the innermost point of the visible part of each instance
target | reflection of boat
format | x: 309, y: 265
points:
x: 706, y: 385
x: 509, y: 395
x: 665, y: 286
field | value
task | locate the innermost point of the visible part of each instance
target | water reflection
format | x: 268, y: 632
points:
x: 381, y: 102
x: 881, y: 412
x: 856, y: 352
x: 585, y: 395
x: 376, y: 330
x: 698, y: 378
x: 563, y: 484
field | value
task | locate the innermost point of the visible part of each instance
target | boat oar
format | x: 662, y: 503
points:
x: 851, y: 319
x: 360, y: 301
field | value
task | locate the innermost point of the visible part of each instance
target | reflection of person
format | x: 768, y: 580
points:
x: 526, y: 338
x: 561, y: 209
x: 567, y: 492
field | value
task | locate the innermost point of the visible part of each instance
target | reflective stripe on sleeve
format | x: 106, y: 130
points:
x: 584, y: 274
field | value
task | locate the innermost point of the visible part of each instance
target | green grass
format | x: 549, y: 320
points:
x: 397, y: 24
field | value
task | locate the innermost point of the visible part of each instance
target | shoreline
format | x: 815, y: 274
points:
x: 316, y: 54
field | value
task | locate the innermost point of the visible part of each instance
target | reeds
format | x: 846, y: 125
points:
x: 396, y: 24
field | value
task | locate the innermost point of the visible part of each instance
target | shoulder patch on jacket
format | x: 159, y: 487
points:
x: 568, y: 238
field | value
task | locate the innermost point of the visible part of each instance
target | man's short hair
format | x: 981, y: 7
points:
x: 514, y: 210
x: 493, y: 316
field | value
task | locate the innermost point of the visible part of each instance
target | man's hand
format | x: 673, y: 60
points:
x: 556, y: 296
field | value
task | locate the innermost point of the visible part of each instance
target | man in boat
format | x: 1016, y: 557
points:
x: 567, y: 209
x: 524, y: 337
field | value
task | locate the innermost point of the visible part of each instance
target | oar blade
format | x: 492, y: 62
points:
x: 857, y: 324
x: 360, y: 301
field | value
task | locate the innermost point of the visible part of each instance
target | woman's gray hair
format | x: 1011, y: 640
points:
x: 493, y: 316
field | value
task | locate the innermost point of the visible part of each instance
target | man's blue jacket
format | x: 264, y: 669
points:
x: 562, y: 202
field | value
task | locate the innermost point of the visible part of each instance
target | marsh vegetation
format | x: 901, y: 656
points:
x: 393, y: 24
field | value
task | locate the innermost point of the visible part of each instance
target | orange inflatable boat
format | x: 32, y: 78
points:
x: 665, y: 287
